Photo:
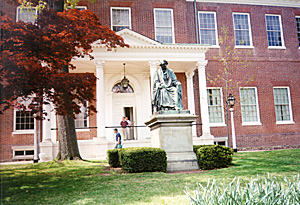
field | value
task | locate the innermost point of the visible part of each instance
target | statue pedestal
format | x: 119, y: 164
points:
x: 172, y: 131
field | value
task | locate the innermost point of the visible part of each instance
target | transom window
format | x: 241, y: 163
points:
x: 120, y: 18
x: 164, y: 26
x: 24, y: 120
x: 208, y: 28
x: 26, y: 14
x: 119, y: 89
x: 282, y: 104
x: 215, y: 105
x: 274, y: 31
x: 242, y: 29
x: 249, y: 105
x: 298, y: 28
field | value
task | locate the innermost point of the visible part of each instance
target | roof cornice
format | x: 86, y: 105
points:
x: 284, y: 3
x: 163, y: 47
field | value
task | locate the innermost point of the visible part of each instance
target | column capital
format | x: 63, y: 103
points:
x: 201, y: 64
x: 153, y: 63
x: 99, y: 63
x: 189, y: 75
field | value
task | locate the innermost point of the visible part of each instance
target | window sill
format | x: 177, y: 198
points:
x: 82, y: 130
x: 22, y: 132
x: 217, y: 124
x: 23, y: 157
x: 251, y: 47
x: 214, y: 46
x: 276, y: 47
x: 251, y: 123
x: 285, y: 122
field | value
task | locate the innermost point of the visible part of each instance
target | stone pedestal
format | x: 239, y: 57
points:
x: 172, y: 132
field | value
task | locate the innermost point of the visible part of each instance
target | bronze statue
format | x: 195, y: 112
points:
x: 167, y: 91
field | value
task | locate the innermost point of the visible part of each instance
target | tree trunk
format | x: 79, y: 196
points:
x: 68, y: 147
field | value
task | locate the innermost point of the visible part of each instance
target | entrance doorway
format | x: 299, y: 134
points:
x: 129, y: 112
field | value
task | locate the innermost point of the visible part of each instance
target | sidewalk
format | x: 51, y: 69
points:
x: 17, y: 162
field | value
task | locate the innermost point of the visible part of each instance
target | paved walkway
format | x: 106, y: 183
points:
x: 18, y: 162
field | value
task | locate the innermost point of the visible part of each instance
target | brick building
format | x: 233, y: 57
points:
x: 186, y: 33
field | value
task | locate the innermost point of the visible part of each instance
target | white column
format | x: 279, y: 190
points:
x: 233, y: 131
x: 47, y: 123
x: 190, y: 95
x: 100, y: 101
x: 206, y: 137
x: 153, y: 67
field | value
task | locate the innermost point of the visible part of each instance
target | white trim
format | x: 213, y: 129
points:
x: 15, y: 131
x: 22, y: 132
x: 249, y: 29
x: 88, y: 122
x: 166, y: 9
x: 20, y: 7
x: 221, y: 139
x: 297, y: 29
x: 281, y: 32
x: 286, y: 3
x: 219, y: 124
x: 77, y: 7
x: 258, y: 122
x: 291, y: 121
x: 216, y: 27
x: 120, y: 8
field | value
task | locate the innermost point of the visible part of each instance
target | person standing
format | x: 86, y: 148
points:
x: 118, y: 138
x: 124, y: 125
x: 128, y: 128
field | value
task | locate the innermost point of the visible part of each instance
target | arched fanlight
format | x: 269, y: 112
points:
x: 124, y: 81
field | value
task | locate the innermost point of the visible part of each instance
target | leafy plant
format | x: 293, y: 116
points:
x: 261, y: 190
x: 113, y: 157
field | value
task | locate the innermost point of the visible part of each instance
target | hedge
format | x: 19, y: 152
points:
x: 213, y: 156
x: 113, y: 157
x: 143, y: 159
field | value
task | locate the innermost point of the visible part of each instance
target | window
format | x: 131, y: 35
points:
x: 274, y: 31
x: 24, y: 152
x: 282, y: 104
x: 120, y: 18
x: 24, y: 120
x: 164, y: 27
x: 249, y: 106
x: 81, y: 120
x: 215, y: 106
x: 298, y: 28
x: 26, y: 14
x: 119, y: 89
x: 242, y: 29
x: 208, y: 28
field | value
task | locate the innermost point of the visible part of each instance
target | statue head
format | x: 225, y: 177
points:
x: 163, y: 64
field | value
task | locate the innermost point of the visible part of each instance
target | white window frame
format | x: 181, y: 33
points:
x: 173, y: 32
x: 216, y: 27
x: 88, y: 124
x: 15, y: 131
x: 291, y: 121
x: 220, y: 124
x: 249, y: 29
x: 297, y: 29
x: 19, y: 8
x: 258, y: 122
x: 281, y: 32
x: 121, y: 8
x: 78, y: 7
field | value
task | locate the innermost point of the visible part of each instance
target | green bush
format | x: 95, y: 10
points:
x: 266, y: 190
x: 213, y: 156
x: 113, y: 157
x: 143, y: 159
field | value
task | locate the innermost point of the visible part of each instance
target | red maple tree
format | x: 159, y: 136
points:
x: 36, y: 58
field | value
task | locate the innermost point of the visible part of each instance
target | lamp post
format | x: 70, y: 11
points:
x: 35, y: 142
x: 230, y: 102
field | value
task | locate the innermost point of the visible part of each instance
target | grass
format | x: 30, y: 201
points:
x: 89, y: 182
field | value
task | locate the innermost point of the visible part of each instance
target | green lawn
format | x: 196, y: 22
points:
x: 88, y: 182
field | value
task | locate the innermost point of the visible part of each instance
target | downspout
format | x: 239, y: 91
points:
x: 196, y: 22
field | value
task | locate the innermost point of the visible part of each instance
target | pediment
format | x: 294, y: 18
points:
x: 135, y: 39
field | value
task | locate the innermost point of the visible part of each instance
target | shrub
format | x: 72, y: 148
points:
x: 213, y: 156
x: 267, y: 190
x: 143, y: 159
x: 113, y: 157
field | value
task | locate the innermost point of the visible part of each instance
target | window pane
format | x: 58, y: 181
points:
x: 207, y: 28
x: 248, y: 105
x: 26, y: 14
x: 281, y: 100
x: 241, y: 30
x: 214, y: 105
x: 164, y: 26
x: 24, y: 120
x: 120, y: 19
x: 81, y: 118
x: 274, y: 32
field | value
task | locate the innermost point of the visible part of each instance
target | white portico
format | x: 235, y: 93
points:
x: 142, y: 59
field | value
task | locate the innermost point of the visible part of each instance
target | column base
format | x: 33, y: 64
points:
x: 46, y: 153
x: 181, y: 161
x: 207, y: 139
